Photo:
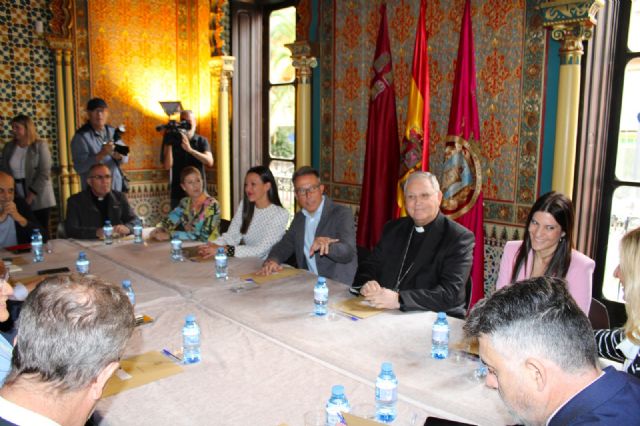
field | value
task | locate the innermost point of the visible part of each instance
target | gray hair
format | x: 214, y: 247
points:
x: 71, y: 328
x: 429, y: 177
x: 536, y: 317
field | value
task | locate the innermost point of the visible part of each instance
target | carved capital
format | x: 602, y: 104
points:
x: 302, y: 60
x: 571, y: 22
x: 222, y: 68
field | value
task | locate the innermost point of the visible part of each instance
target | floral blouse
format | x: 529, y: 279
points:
x: 183, y: 224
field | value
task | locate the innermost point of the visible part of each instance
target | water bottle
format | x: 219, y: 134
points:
x: 107, y: 229
x: 36, y: 246
x: 191, y: 340
x: 337, y: 404
x: 176, y: 250
x: 82, y: 264
x: 321, y: 296
x: 386, y: 394
x: 126, y: 286
x: 440, y: 337
x: 137, y: 232
x: 221, y: 264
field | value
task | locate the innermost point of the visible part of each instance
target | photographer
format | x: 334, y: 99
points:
x: 182, y: 148
x: 95, y: 143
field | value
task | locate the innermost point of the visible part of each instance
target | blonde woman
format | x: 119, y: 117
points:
x: 28, y: 160
x: 623, y: 344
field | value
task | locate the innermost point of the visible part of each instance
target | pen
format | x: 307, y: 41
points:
x: 171, y: 355
x: 341, y: 419
x: 351, y: 317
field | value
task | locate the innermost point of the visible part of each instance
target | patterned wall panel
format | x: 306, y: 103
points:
x: 26, y: 69
x: 510, y: 60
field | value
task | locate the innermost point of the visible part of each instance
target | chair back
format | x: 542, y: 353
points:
x: 598, y: 315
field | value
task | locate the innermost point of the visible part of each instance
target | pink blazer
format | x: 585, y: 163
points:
x: 579, y: 277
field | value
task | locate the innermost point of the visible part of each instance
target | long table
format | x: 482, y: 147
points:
x: 266, y: 358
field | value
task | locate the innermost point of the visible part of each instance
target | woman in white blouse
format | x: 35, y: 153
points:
x: 28, y: 160
x: 259, y: 222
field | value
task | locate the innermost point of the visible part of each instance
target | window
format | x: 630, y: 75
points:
x: 621, y: 195
x: 281, y: 109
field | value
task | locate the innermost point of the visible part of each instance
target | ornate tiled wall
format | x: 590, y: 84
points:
x: 26, y: 72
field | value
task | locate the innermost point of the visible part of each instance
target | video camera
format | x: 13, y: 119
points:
x: 173, y: 129
x: 174, y: 126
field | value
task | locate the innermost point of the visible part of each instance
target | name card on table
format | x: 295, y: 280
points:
x: 140, y: 370
x: 262, y: 279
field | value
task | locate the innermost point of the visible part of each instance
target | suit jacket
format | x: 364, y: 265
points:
x: 613, y: 399
x: 336, y: 222
x: 578, y: 277
x: 442, y: 265
x: 37, y: 170
x: 83, y: 216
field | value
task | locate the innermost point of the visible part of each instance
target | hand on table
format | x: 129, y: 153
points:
x: 380, y: 297
x: 207, y: 251
x: 159, y: 234
x: 121, y: 230
x: 269, y: 267
x: 321, y: 245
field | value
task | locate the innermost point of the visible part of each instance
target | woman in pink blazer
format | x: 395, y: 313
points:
x: 547, y: 250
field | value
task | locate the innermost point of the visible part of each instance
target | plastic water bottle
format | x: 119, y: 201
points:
x: 36, y: 246
x: 137, y: 232
x: 82, y: 264
x: 337, y: 404
x: 221, y: 264
x: 176, y: 250
x: 126, y: 285
x: 440, y: 337
x: 107, y: 229
x: 191, y: 340
x: 386, y: 394
x: 321, y: 296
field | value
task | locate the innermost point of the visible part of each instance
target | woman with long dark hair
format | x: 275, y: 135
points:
x: 547, y: 249
x: 259, y: 222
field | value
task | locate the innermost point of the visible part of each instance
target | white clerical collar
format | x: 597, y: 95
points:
x: 419, y: 229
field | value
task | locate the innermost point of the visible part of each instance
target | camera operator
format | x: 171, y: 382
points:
x: 182, y: 148
x: 94, y: 143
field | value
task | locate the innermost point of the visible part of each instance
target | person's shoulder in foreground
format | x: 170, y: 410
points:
x: 541, y: 356
x: 72, y: 334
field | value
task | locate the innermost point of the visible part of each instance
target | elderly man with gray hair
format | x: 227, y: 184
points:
x: 541, y: 357
x: 423, y: 261
x: 72, y: 333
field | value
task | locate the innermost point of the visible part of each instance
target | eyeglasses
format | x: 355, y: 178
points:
x: 412, y: 198
x: 307, y: 191
x: 100, y: 177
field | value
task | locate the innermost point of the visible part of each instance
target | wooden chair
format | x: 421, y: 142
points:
x: 598, y: 315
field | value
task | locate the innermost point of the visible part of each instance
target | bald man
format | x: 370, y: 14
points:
x: 16, y: 219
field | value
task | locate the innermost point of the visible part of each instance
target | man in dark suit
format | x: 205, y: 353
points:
x: 322, y: 235
x: 88, y: 210
x: 542, y: 359
x: 16, y: 218
x: 423, y: 261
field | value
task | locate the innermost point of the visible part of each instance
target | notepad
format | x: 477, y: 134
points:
x: 357, y: 307
x: 139, y: 370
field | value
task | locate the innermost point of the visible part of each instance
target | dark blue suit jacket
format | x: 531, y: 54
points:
x: 613, y: 399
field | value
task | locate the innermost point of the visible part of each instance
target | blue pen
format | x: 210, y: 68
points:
x: 342, y: 420
x: 171, y: 355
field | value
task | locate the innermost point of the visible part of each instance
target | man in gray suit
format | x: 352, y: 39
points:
x: 322, y: 234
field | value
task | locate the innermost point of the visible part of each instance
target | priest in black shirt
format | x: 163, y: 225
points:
x: 423, y: 261
x: 88, y: 210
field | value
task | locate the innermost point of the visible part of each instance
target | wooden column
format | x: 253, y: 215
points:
x: 571, y: 22
x: 302, y: 61
x: 222, y: 71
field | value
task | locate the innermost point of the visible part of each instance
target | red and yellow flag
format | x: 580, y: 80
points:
x: 414, y: 148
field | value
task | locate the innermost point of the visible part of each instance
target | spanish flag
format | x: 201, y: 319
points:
x: 414, y: 148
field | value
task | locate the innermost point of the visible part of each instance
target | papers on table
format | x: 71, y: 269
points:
x: 262, y: 279
x: 140, y: 370
x: 357, y: 307
x: 358, y: 421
